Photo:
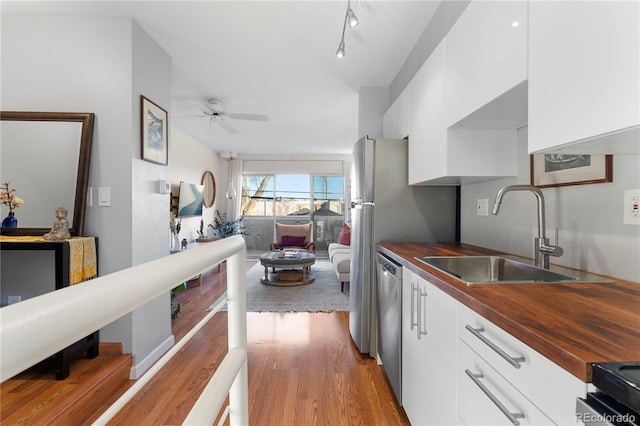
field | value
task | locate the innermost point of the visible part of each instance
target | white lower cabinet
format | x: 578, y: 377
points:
x: 486, y: 398
x: 523, y: 377
x: 460, y: 368
x: 429, y: 322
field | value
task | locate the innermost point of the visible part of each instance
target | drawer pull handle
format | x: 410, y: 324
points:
x: 513, y: 417
x: 511, y: 360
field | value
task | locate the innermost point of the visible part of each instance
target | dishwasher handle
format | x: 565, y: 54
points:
x: 389, y: 265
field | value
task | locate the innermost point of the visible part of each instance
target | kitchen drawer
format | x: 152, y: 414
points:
x: 480, y: 396
x: 550, y: 387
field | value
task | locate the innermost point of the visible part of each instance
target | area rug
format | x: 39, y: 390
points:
x: 323, y: 295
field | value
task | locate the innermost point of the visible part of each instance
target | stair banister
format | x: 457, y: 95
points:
x: 30, y: 331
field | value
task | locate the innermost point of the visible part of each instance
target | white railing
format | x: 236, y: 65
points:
x: 33, y: 330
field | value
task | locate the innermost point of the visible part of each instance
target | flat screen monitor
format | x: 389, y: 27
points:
x: 190, y: 199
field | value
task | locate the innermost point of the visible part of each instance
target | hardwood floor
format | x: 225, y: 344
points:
x: 303, y: 370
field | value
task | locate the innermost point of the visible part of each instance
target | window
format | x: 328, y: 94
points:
x: 292, y: 198
x: 257, y: 195
x: 292, y: 195
x: 328, y: 195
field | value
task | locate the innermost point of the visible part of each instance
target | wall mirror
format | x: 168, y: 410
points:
x: 45, y: 158
x: 209, y: 182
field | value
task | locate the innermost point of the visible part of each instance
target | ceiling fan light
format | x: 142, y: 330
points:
x: 352, y: 19
x: 340, y: 51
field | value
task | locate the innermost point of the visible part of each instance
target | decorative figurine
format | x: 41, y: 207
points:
x: 60, y: 229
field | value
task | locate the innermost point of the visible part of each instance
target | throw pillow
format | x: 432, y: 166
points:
x: 289, y: 241
x: 345, y: 235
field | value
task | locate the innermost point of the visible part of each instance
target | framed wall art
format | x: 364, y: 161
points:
x: 570, y: 169
x: 154, y: 135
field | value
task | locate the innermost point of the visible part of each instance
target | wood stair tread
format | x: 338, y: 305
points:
x: 34, y: 396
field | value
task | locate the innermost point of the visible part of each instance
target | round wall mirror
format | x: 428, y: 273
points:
x: 209, y: 183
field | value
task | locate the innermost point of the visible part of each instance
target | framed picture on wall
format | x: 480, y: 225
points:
x: 154, y: 135
x: 570, y: 169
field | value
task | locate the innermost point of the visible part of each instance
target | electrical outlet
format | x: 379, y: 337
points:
x: 483, y: 207
x: 13, y: 299
x: 632, y: 207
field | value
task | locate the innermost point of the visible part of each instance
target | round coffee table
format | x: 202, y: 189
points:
x: 295, y: 263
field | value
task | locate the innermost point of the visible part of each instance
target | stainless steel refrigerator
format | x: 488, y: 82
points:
x: 385, y: 208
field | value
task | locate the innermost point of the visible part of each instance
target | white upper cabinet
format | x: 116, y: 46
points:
x: 441, y: 156
x: 395, y: 122
x: 387, y: 124
x: 486, y: 57
x: 401, y: 115
x: 584, y: 77
x: 427, y: 131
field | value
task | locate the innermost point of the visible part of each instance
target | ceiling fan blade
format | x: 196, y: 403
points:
x: 240, y: 116
x: 201, y: 106
x: 228, y: 127
x: 192, y: 116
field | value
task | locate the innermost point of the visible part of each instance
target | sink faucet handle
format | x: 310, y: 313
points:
x: 555, y: 251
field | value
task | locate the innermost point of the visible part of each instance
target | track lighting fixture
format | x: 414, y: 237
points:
x: 351, y: 19
x: 340, y: 51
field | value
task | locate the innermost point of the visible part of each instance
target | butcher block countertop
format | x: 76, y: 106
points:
x: 572, y: 324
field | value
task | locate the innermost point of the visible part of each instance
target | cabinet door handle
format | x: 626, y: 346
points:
x: 419, y: 317
x: 423, y: 312
x: 511, y: 360
x: 414, y: 289
x: 513, y: 417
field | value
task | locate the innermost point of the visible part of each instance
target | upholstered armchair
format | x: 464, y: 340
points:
x: 293, y: 236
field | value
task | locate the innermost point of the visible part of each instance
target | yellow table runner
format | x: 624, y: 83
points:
x: 82, y: 255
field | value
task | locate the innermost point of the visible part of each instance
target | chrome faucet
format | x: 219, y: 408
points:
x: 542, y: 249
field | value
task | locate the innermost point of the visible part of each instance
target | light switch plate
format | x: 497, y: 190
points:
x: 631, y: 207
x: 164, y: 187
x: 104, y: 196
x: 483, y: 207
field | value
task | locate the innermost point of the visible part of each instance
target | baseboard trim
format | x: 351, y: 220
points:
x: 139, y: 368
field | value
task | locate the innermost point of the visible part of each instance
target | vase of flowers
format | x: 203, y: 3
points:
x: 174, y: 226
x: 9, y: 198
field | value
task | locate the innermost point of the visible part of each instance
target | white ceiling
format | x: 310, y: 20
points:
x: 270, y: 57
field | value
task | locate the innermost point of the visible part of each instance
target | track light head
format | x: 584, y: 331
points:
x: 352, y: 19
x: 340, y: 51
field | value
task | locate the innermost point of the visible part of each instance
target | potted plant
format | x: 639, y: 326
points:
x: 225, y: 228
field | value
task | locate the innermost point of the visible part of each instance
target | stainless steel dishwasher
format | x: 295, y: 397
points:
x: 389, y: 275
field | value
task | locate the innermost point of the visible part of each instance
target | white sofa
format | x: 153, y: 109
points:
x: 340, y: 257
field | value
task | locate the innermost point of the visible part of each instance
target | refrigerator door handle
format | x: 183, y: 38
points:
x: 359, y: 204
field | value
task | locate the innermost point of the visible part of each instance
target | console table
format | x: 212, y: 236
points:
x: 76, y: 260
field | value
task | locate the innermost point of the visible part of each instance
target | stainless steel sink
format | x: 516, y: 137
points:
x: 501, y: 270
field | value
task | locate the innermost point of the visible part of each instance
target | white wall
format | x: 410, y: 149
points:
x: 189, y: 160
x: 588, y: 219
x: 102, y: 65
x: 444, y: 17
x: 151, y: 77
x: 373, y: 102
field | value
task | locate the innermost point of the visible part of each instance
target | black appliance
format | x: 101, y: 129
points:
x: 616, y: 400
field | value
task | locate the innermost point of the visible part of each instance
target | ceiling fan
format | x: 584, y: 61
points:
x: 215, y: 112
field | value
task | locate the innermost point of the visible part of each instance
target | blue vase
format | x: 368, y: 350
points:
x: 10, y: 221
